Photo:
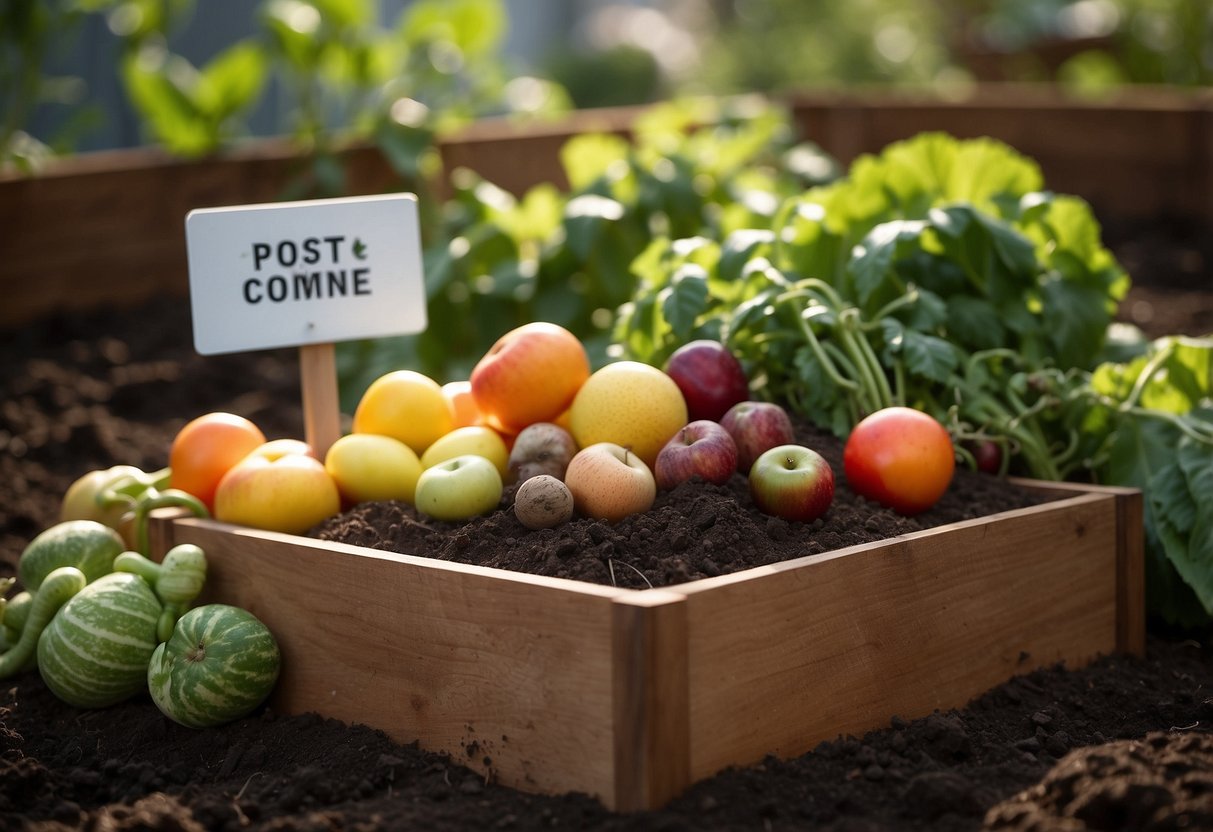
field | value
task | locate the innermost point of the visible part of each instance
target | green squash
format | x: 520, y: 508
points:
x: 220, y: 663
x: 94, y: 652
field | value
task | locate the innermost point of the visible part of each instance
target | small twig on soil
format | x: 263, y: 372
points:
x: 634, y: 569
x: 611, y: 568
x: 240, y: 815
x: 1185, y: 727
x: 240, y: 793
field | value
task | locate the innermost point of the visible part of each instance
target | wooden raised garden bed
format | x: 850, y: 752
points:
x: 553, y: 685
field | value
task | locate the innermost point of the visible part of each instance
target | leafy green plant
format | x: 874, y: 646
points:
x: 940, y: 275
x: 920, y: 258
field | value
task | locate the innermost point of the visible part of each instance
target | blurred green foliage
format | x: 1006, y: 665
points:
x: 344, y: 75
x: 347, y: 74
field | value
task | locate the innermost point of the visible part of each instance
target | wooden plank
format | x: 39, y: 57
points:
x: 1130, y: 556
x: 1130, y: 572
x: 652, y: 732
x: 509, y: 674
x: 783, y: 657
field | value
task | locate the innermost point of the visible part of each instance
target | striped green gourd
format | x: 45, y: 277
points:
x: 94, y: 653
x: 59, y: 587
x: 220, y: 663
x: 85, y: 544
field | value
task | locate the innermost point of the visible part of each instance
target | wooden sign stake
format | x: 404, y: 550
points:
x: 321, y: 405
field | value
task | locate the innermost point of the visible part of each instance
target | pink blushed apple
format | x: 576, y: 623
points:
x: 531, y: 374
x: 609, y: 482
x: 792, y: 482
x: 756, y: 427
x: 710, y: 377
x: 703, y: 448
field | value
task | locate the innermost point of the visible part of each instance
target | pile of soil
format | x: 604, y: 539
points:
x: 696, y: 530
x: 1122, y: 743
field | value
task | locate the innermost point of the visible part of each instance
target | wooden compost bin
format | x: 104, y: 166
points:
x: 554, y: 685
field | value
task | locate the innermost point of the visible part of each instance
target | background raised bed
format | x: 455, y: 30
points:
x: 107, y: 227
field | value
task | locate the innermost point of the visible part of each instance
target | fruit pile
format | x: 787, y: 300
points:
x: 597, y: 444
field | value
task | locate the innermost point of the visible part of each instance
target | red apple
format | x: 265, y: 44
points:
x: 609, y: 482
x: 710, y: 377
x: 702, y: 448
x: 792, y: 482
x: 756, y: 427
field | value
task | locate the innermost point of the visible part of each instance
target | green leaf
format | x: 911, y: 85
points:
x: 872, y: 264
x: 975, y: 323
x: 157, y: 91
x: 587, y: 157
x: 1075, y: 319
x: 404, y: 147
x: 685, y: 300
x: 1180, y: 495
x: 930, y: 357
x: 586, y: 219
x: 475, y: 27
x: 232, y: 80
x: 346, y: 13
x: 928, y: 312
x: 739, y: 248
x: 1181, y: 378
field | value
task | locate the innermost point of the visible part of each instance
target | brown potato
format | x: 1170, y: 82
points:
x: 543, y: 502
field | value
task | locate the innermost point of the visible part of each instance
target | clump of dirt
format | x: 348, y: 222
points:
x: 1164, y: 781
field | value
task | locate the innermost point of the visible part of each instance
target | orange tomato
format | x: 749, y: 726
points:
x: 901, y: 458
x: 206, y: 449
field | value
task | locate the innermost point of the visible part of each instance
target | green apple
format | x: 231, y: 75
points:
x: 792, y: 482
x: 459, y: 488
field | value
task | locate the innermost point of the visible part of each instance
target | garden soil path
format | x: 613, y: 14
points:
x: 1121, y: 744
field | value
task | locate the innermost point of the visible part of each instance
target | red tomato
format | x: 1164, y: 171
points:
x: 901, y: 458
x: 206, y: 448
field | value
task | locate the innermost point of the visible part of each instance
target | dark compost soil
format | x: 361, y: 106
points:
x: 1121, y: 744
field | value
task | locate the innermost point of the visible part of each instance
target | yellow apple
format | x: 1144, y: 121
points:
x: 404, y: 405
x: 288, y: 492
x: 367, y: 467
x: 479, y: 440
x: 630, y: 404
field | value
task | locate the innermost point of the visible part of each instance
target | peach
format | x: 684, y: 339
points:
x: 530, y: 375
